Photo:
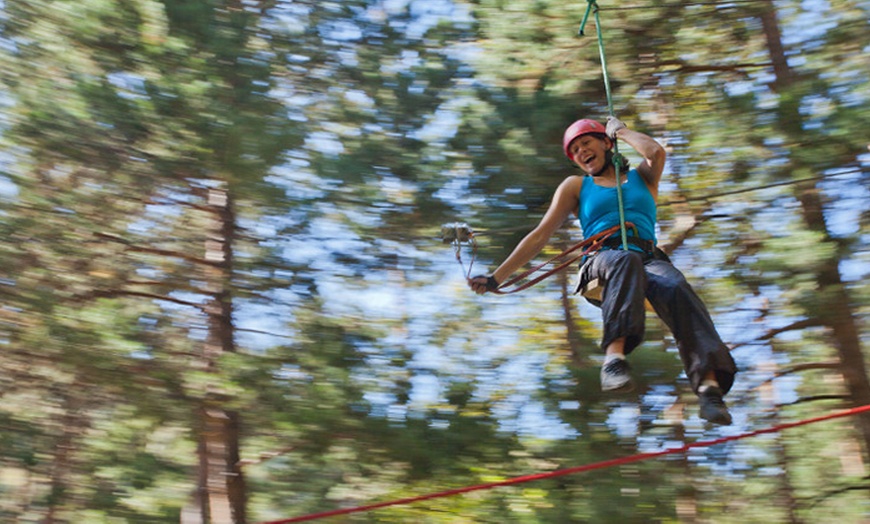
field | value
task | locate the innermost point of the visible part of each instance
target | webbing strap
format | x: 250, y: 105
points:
x: 589, y: 246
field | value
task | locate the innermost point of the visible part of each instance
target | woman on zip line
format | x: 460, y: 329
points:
x: 629, y: 277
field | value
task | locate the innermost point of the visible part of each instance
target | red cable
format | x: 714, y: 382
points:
x: 577, y: 469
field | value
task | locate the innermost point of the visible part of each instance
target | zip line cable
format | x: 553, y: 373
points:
x: 700, y: 198
x: 577, y: 469
x: 461, y: 233
x: 756, y: 188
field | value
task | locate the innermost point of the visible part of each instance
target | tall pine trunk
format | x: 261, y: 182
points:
x: 837, y: 314
x: 221, y: 491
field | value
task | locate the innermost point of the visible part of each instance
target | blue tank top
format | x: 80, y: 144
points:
x: 599, y: 207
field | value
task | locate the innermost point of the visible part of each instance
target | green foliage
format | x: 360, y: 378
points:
x: 360, y: 366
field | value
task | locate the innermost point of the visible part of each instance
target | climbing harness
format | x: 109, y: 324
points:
x: 588, y: 246
x: 592, y: 7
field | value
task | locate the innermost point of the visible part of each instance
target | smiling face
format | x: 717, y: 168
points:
x: 589, y: 152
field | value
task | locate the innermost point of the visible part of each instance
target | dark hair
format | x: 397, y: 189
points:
x: 624, y: 165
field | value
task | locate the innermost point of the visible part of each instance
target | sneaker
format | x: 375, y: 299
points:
x: 713, y: 408
x: 614, y: 375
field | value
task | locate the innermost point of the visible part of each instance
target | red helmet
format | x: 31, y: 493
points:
x: 578, y: 129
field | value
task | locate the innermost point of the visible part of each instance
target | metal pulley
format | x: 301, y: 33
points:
x: 459, y: 233
x: 456, y: 232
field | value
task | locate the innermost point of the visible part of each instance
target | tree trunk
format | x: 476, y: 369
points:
x: 836, y: 314
x: 222, y: 494
x: 770, y: 403
x: 686, y: 501
x: 72, y: 426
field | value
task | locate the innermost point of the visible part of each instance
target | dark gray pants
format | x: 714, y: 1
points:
x: 628, y: 277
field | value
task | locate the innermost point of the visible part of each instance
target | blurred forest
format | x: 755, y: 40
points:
x: 225, y: 295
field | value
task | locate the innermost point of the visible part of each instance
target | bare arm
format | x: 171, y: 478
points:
x: 653, y: 154
x: 565, y: 201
